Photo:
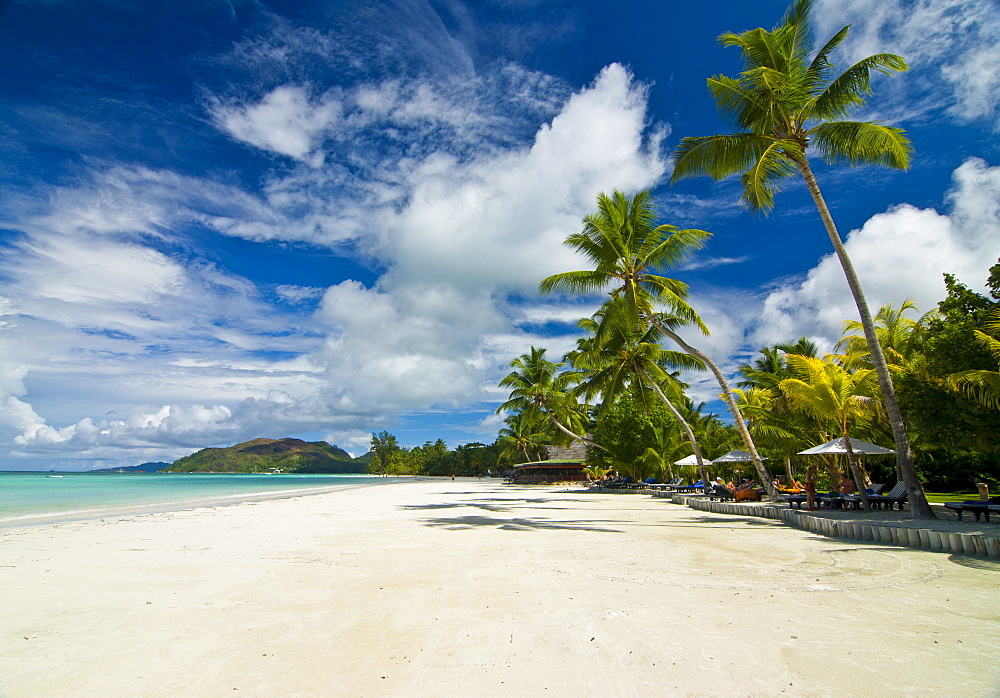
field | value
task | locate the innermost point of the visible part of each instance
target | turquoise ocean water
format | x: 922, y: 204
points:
x: 34, y: 498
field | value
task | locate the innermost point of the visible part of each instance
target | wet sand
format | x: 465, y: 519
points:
x: 440, y: 588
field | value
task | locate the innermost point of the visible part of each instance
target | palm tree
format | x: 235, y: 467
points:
x: 771, y: 368
x: 900, y: 337
x: 828, y: 392
x: 784, y: 103
x: 627, y: 356
x: 522, y: 437
x: 627, y: 250
x: 540, y: 391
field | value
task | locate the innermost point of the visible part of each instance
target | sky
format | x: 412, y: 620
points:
x: 224, y: 219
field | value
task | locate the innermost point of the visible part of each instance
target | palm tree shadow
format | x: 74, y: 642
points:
x: 487, y: 504
x: 454, y: 505
x: 459, y: 523
x: 706, y: 520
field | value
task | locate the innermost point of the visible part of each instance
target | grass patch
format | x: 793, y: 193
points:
x: 942, y: 497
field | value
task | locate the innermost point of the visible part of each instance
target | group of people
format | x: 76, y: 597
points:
x: 845, y: 485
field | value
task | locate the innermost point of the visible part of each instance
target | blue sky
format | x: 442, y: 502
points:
x: 224, y: 220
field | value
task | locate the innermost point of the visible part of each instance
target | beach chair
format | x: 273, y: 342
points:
x: 748, y: 495
x: 794, y: 500
x: 976, y: 508
x: 897, y: 495
x: 723, y: 493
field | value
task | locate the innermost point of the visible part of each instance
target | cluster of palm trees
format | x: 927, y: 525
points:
x: 785, y: 104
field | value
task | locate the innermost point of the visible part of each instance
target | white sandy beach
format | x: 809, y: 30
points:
x: 473, y: 588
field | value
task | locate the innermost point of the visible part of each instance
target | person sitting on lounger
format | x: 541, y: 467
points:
x: 846, y: 484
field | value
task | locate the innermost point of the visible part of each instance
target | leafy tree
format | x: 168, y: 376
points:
x: 626, y: 428
x: 957, y: 439
x: 784, y: 104
x: 386, y: 448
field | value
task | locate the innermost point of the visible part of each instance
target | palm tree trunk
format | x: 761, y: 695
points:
x: 730, y: 400
x: 859, y: 482
x: 904, y: 457
x: 584, y: 439
x: 687, y: 427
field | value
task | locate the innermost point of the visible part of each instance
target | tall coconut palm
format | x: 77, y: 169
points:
x: 540, y: 390
x: 828, y: 392
x: 628, y: 250
x: 784, y: 103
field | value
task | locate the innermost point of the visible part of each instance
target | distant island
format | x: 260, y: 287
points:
x: 141, y: 468
x: 270, y: 456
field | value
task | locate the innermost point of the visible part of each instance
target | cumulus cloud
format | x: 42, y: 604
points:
x: 898, y: 254
x: 513, y: 210
x: 179, y: 352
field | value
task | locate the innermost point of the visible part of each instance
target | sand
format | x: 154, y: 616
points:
x: 475, y: 588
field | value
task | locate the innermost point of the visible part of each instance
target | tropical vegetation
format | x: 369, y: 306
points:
x: 786, y: 104
x: 620, y: 392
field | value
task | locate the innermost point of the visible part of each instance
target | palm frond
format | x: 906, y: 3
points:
x: 852, y: 86
x: 820, y: 66
x: 862, y: 143
x: 760, y: 181
x: 575, y: 282
x: 717, y: 156
x: 739, y: 105
x: 982, y: 386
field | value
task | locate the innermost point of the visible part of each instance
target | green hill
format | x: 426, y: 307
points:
x: 267, y: 456
x: 141, y: 468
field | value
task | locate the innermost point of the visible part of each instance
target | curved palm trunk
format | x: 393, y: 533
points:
x: 727, y: 395
x: 565, y: 430
x: 687, y: 428
x: 904, y: 457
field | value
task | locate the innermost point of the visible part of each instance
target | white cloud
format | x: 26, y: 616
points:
x: 899, y: 254
x: 499, y: 222
x: 168, y: 350
x: 951, y: 46
x: 285, y: 121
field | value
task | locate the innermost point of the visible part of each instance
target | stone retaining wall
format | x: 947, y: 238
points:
x: 959, y: 543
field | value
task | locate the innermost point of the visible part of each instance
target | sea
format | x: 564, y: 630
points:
x: 40, y: 498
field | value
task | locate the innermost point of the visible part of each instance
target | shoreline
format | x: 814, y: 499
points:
x: 119, y: 510
x: 473, y: 587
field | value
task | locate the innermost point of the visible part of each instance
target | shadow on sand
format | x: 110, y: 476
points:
x: 516, y: 524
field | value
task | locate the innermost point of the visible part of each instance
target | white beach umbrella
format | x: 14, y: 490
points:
x: 689, y: 460
x: 736, y: 456
x: 839, y: 446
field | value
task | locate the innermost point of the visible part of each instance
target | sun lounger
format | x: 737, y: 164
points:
x: 897, y: 495
x: 975, y: 508
x: 748, y: 495
x: 721, y: 492
x: 794, y: 500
